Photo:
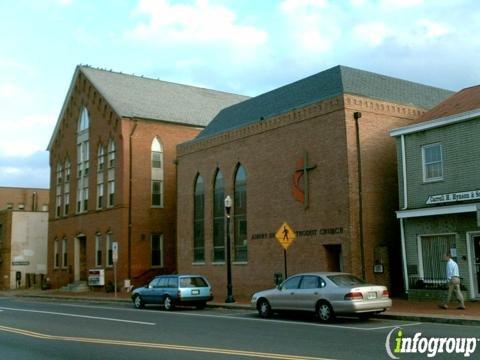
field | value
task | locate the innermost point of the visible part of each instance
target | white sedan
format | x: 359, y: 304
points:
x: 324, y: 293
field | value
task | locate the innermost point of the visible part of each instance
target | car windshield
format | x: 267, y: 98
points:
x: 346, y: 280
x: 192, y: 282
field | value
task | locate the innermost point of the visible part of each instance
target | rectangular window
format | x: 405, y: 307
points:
x: 85, y: 199
x: 432, y: 162
x: 98, y: 250
x: 157, y: 250
x: 432, y: 249
x: 157, y: 187
x: 64, y: 253
x: 56, y: 255
x: 111, y: 193
x: 156, y: 160
x: 109, y: 250
x: 99, y: 196
x: 66, y: 203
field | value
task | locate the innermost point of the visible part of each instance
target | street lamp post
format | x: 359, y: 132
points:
x: 228, y: 206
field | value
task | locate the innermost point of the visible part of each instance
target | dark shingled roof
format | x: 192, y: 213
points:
x: 324, y: 85
x: 465, y: 100
x: 135, y: 96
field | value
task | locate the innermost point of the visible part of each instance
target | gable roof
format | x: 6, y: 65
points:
x: 324, y: 85
x: 462, y: 106
x: 465, y: 100
x: 136, y: 96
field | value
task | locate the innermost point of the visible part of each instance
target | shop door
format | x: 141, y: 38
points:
x: 476, y: 264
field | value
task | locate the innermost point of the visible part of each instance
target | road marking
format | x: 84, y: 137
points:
x: 239, y: 316
x: 79, y: 316
x: 208, y: 350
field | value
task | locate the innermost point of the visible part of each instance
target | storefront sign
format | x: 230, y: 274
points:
x: 453, y: 197
x: 20, y: 263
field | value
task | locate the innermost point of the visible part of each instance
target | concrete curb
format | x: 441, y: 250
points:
x: 428, y: 318
x: 233, y: 306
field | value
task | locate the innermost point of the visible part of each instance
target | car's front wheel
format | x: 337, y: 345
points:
x: 138, y: 302
x: 325, y: 311
x: 264, y: 308
x: 168, y: 303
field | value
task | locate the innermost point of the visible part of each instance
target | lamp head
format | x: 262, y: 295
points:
x: 228, y: 203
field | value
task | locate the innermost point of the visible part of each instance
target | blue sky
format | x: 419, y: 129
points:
x: 246, y: 47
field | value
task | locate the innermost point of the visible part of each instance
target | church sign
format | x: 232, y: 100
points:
x: 453, y: 197
x: 301, y: 233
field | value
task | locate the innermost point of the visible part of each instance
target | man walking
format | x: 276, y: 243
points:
x: 453, y: 277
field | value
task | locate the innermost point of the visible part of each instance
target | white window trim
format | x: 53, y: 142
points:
x: 424, y: 165
x: 421, y: 272
x: 109, y: 241
x: 55, y: 253
x: 98, y: 240
x: 64, y: 252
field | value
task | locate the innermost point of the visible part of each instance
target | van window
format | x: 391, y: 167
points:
x: 192, y: 282
x: 172, y: 282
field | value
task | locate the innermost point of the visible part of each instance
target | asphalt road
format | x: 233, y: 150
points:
x: 59, y: 329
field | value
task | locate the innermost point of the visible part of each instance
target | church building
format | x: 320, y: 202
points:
x: 113, y: 175
x: 312, y: 161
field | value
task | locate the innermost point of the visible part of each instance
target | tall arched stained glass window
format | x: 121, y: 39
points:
x: 83, y: 158
x: 198, y: 221
x: 157, y: 173
x: 240, y: 215
x: 218, y: 219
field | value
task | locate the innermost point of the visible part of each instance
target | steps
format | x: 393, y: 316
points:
x: 77, y: 286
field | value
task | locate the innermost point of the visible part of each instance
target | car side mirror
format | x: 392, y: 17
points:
x: 279, y: 287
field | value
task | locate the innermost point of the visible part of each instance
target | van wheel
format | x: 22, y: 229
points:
x: 325, y: 312
x: 168, y: 303
x: 264, y: 308
x: 138, y: 302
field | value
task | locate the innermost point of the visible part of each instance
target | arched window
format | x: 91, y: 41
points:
x: 83, y: 158
x: 157, y: 174
x: 218, y: 219
x: 83, y: 121
x: 198, y: 221
x: 111, y: 173
x: 58, y: 190
x: 100, y: 176
x: 66, y: 188
x: 240, y: 215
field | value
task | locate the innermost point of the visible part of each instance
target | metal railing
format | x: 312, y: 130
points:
x: 424, y: 283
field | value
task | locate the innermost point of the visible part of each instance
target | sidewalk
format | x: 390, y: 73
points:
x: 424, y: 311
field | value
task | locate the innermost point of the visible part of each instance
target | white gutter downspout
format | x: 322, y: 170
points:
x: 404, y: 173
x: 405, y: 206
x: 404, y: 256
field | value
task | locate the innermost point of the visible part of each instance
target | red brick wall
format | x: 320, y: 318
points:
x: 5, y: 249
x: 105, y: 124
x: 24, y: 196
x: 269, y: 151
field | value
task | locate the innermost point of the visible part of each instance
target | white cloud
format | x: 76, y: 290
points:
x: 396, y: 4
x: 372, y: 33
x: 432, y: 29
x: 313, y: 25
x: 302, y: 5
x: 25, y: 135
x: 200, y: 22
